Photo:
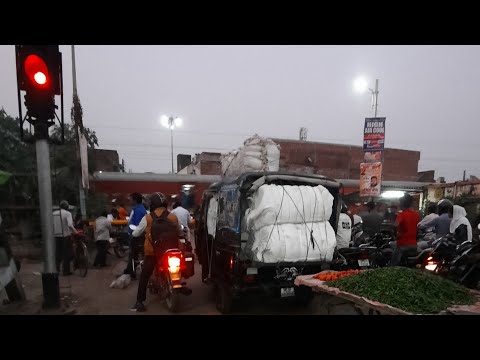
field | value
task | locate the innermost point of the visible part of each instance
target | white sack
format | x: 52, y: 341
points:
x: 212, y: 216
x: 121, y: 282
x: 300, y: 204
x: 291, y: 243
x: 256, y: 155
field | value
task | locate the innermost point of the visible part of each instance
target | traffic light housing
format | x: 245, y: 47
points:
x: 39, y: 75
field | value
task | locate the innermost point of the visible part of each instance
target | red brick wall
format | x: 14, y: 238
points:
x: 343, y: 161
x: 106, y: 160
x: 210, y: 167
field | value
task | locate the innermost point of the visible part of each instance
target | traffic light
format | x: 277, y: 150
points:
x: 39, y: 75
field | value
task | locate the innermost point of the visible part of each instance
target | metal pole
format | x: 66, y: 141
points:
x: 51, y: 291
x: 171, y: 137
x: 74, y: 72
x: 81, y: 192
x: 376, y: 96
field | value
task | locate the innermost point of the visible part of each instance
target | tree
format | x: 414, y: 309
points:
x: 18, y: 158
x: 65, y: 158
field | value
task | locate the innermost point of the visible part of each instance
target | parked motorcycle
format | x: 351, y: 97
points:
x: 373, y: 252
x: 459, y: 263
x: 174, y: 266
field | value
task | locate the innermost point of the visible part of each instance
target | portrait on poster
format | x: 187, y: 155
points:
x: 370, y: 179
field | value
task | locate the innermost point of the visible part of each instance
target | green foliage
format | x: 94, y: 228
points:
x: 15, y: 155
x: 19, y: 159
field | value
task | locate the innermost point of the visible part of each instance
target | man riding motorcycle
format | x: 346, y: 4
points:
x: 441, y: 224
x: 158, y: 204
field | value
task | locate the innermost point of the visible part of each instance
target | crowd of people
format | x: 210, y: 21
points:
x: 138, y: 235
x: 441, y: 219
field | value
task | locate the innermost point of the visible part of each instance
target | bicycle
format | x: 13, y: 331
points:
x: 80, y: 254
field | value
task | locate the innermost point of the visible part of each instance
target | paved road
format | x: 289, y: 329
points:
x: 93, y: 295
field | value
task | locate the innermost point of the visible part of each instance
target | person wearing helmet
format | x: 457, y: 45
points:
x: 344, y: 228
x: 441, y: 224
x: 62, y: 230
x: 158, y: 204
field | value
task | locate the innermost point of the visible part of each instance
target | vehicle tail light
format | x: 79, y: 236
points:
x: 174, y: 263
x: 431, y: 265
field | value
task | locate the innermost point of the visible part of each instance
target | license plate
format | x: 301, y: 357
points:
x: 287, y: 292
x: 363, y: 262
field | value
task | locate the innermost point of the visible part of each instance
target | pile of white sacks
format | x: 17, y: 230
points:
x: 289, y: 224
x: 256, y: 154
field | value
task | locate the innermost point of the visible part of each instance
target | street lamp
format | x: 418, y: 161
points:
x: 360, y: 85
x: 171, y: 122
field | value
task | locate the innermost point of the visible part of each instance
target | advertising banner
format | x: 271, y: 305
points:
x: 370, y: 179
x: 374, y: 134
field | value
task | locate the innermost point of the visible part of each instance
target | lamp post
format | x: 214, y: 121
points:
x: 171, y: 122
x: 361, y: 85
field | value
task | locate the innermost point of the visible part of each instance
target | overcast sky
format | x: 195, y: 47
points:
x: 429, y: 95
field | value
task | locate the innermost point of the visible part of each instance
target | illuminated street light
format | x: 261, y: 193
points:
x: 393, y: 194
x: 360, y: 85
x: 170, y: 122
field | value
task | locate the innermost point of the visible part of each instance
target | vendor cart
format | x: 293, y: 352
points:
x: 333, y: 301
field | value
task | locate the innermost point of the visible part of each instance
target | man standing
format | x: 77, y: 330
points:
x: 103, y: 226
x: 62, y: 230
x: 183, y: 216
x: 372, y: 221
x: 406, y: 225
x: 344, y: 230
x: 137, y: 215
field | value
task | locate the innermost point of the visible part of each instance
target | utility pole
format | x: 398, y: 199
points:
x: 375, y: 99
x: 171, y: 142
x: 81, y: 191
x: 39, y: 74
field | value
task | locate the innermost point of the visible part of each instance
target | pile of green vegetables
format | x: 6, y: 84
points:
x: 411, y: 290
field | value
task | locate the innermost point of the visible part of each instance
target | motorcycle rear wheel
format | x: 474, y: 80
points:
x: 172, y: 299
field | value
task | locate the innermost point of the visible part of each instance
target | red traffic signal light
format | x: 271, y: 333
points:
x: 36, y: 70
x: 38, y: 74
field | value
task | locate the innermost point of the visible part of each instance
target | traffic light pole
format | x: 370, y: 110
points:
x: 40, y: 75
x: 50, y: 281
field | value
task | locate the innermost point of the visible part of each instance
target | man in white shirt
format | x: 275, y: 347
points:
x: 103, y: 226
x: 432, y: 214
x: 62, y: 230
x: 344, y: 229
x: 183, y: 216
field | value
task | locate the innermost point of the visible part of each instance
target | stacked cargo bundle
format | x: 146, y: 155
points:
x: 256, y: 154
x: 290, y: 223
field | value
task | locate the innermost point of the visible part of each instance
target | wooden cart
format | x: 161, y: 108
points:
x: 333, y: 301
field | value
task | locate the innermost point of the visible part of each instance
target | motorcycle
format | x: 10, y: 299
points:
x: 459, y: 263
x: 119, y: 242
x: 366, y: 253
x: 174, y: 266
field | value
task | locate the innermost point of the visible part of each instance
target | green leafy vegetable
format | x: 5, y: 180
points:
x: 407, y: 289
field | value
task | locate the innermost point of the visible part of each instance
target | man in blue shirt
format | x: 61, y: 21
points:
x: 136, y: 216
x: 441, y: 224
